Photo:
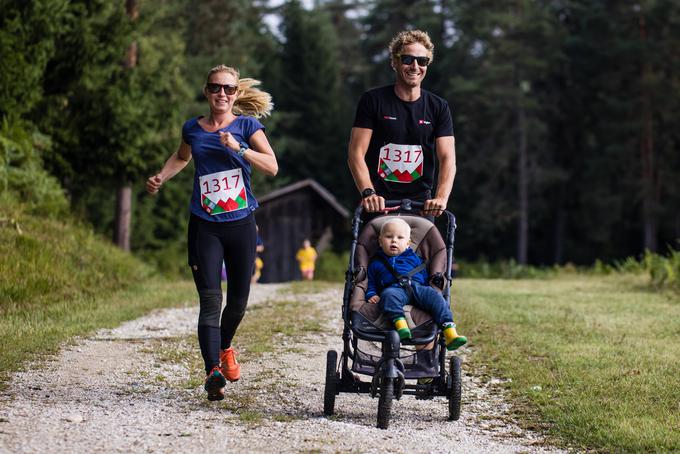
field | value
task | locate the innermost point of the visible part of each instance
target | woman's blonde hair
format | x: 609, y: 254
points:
x: 250, y: 100
x: 407, y: 37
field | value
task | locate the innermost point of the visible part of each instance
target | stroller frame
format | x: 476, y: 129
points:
x: 388, y: 381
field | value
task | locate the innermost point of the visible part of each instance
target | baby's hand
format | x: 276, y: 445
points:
x: 374, y: 299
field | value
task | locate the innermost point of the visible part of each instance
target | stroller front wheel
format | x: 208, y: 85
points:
x: 454, y: 386
x: 385, y: 402
x: 331, y: 387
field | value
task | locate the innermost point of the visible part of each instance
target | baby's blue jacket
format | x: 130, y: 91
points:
x: 379, y: 277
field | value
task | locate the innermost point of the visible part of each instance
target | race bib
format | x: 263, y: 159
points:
x: 400, y: 163
x: 223, y: 192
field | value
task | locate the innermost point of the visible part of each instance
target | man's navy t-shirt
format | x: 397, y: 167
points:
x: 401, y: 155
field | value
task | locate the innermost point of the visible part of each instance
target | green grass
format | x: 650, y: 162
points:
x: 53, y: 261
x: 58, y: 280
x: 597, y: 358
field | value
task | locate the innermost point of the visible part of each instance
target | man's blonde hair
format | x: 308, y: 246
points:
x: 407, y: 37
x: 250, y: 100
x: 397, y: 221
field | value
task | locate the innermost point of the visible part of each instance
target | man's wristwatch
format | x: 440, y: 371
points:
x: 243, y: 147
x: 367, y: 192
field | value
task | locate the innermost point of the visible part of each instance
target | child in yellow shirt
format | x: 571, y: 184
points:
x: 306, y: 256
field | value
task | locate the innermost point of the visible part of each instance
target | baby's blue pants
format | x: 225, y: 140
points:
x: 394, y: 298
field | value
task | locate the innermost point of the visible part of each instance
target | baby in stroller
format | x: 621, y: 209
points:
x: 397, y: 277
x: 371, y: 344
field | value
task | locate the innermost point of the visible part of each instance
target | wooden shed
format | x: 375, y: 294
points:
x: 289, y: 215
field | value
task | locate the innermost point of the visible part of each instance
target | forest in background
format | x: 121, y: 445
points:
x: 565, y: 112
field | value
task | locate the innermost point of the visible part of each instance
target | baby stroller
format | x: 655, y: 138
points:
x: 371, y: 346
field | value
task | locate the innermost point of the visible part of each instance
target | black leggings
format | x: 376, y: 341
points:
x: 210, y: 243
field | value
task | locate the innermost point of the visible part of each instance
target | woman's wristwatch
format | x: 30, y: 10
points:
x: 243, y: 147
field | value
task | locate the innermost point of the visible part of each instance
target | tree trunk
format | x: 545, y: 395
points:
x: 522, y: 185
x: 523, y: 190
x: 647, y: 156
x: 558, y: 254
x: 649, y: 202
x: 121, y: 233
x: 522, y: 162
x: 324, y: 241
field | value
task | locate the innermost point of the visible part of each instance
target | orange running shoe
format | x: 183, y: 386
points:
x: 214, y: 384
x: 231, y: 369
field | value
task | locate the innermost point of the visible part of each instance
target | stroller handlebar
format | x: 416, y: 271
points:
x: 396, y: 205
x: 404, y: 204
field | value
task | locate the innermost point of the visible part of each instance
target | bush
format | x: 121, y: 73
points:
x: 24, y: 185
x: 505, y: 269
x: 331, y: 266
x: 663, y: 271
x: 170, y: 261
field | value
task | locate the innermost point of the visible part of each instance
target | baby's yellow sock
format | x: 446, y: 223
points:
x: 452, y: 338
x: 402, y: 328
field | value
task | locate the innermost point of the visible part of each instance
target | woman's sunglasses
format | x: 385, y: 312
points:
x: 408, y: 60
x: 215, y: 88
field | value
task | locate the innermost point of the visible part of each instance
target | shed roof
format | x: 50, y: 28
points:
x: 316, y: 187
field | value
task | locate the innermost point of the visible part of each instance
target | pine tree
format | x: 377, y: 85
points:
x: 29, y: 38
x: 312, y: 129
x: 110, y: 124
x: 621, y: 65
x: 29, y: 34
x: 510, y: 48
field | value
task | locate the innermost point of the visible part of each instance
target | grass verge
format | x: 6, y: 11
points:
x: 597, y: 358
x: 27, y: 335
x: 59, y: 280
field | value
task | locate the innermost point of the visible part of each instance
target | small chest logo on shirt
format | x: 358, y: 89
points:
x: 424, y: 122
x: 389, y: 117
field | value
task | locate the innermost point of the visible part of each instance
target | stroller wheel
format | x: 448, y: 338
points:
x: 331, y: 388
x: 385, y: 402
x: 454, y: 386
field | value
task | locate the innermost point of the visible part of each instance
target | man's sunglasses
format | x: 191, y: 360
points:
x: 215, y: 88
x: 408, y: 60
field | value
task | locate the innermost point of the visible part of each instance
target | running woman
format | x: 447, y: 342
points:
x: 225, y: 145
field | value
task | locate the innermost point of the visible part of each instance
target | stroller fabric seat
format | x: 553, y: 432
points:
x: 426, y: 241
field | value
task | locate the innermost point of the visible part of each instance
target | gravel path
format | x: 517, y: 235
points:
x: 99, y: 396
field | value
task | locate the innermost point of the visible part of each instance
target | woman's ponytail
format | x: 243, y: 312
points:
x: 252, y: 101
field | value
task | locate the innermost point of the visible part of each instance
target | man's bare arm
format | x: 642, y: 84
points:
x: 446, y: 155
x: 356, y: 158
